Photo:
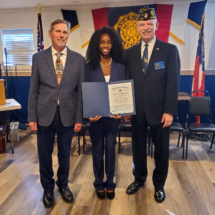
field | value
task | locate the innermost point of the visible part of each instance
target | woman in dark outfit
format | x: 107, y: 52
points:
x: 105, y: 57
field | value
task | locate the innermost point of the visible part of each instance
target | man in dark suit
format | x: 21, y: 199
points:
x: 55, y: 106
x: 155, y: 67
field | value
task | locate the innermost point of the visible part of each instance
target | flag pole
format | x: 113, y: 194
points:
x: 199, y: 71
x: 40, y: 45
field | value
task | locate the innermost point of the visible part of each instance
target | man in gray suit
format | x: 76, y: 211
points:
x: 55, y: 106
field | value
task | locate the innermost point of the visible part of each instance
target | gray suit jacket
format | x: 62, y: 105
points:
x: 45, y: 91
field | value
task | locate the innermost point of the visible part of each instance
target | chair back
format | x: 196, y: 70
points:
x: 200, y: 105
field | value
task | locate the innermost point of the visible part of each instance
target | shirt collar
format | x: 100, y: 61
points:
x: 151, y: 43
x: 54, y: 52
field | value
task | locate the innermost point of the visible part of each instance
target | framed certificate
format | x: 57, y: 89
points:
x: 107, y: 99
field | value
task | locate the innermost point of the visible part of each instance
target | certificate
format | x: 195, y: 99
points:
x: 120, y: 98
x: 107, y: 99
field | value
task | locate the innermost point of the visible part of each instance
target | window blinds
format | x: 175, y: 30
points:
x: 19, y: 44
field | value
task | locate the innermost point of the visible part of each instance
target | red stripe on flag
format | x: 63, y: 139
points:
x: 100, y: 17
x: 196, y: 76
x: 202, y: 87
x: 164, y: 15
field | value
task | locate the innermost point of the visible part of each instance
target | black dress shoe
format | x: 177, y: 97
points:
x: 66, y: 194
x: 100, y: 195
x: 111, y: 195
x: 48, y: 198
x: 159, y: 196
x: 133, y: 188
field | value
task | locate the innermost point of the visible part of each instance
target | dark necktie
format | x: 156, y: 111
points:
x: 145, y: 58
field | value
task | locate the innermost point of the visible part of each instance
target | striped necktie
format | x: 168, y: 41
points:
x: 59, y: 67
x: 145, y: 58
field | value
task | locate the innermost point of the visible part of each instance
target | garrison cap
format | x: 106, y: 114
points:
x: 147, y: 14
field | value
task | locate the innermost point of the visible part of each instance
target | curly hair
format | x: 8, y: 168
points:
x: 93, y: 52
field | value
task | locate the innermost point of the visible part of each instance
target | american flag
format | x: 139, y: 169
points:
x: 199, y: 72
x: 40, y: 45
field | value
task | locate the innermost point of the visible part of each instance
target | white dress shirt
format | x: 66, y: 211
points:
x: 151, y: 45
x: 107, y: 78
x: 63, y: 56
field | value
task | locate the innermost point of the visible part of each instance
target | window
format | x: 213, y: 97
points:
x: 19, y: 46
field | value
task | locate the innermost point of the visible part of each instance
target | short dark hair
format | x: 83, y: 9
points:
x: 57, y: 21
x: 93, y: 52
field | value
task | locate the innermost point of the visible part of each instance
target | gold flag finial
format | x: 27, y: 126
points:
x: 39, y: 8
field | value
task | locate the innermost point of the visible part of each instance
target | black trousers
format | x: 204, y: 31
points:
x: 103, y: 136
x: 45, y: 143
x: 160, y: 137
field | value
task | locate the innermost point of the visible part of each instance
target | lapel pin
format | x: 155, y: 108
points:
x: 157, y: 48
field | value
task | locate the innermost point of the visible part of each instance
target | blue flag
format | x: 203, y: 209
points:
x: 195, y: 13
x: 71, y: 17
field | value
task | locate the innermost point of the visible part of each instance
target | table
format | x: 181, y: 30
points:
x: 11, y: 104
x: 183, y: 96
x: 183, y: 101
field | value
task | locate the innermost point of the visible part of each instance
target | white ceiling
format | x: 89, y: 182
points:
x: 10, y: 4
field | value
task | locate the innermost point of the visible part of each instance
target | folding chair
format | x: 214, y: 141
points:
x: 199, y: 106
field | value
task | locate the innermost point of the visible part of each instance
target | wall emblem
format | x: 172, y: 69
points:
x: 127, y: 28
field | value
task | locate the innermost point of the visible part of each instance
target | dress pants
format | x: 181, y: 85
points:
x: 45, y: 143
x: 103, y: 136
x: 160, y: 137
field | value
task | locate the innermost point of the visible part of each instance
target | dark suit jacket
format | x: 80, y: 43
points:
x: 96, y: 75
x: 45, y: 91
x: 156, y: 91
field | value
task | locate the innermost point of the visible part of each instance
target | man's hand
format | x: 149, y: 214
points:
x: 116, y: 117
x: 94, y: 119
x: 78, y: 126
x: 33, y: 126
x: 167, y: 119
x: 127, y: 118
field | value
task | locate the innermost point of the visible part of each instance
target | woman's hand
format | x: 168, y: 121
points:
x: 94, y: 119
x: 116, y: 117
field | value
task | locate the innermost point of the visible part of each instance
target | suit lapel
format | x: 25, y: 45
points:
x: 68, y: 66
x: 49, y: 60
x: 137, y: 59
x: 100, y: 74
x: 113, y: 74
x: 155, y: 52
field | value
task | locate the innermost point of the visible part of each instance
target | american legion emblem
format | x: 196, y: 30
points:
x: 127, y: 28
